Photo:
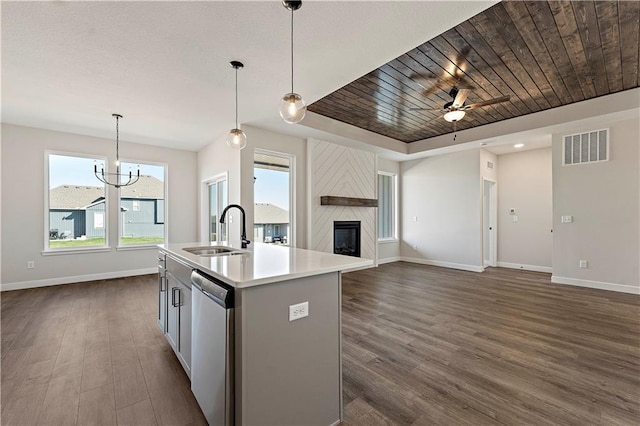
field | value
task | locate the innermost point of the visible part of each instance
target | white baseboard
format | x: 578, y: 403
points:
x: 389, y: 260
x: 622, y: 288
x: 75, y: 279
x: 461, y: 266
x: 534, y: 268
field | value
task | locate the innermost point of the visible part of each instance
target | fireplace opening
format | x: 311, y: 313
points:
x: 346, y: 238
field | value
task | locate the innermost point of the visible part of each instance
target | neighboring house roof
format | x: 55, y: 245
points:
x: 71, y: 197
x: 268, y: 213
x: 75, y: 197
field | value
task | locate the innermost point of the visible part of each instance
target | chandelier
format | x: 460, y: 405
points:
x: 119, y: 177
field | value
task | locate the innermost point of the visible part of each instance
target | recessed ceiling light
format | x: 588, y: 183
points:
x: 518, y: 145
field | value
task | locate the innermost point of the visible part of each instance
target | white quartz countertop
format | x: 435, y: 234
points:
x: 264, y: 263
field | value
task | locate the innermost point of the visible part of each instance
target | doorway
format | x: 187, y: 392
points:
x: 273, y: 197
x: 489, y: 223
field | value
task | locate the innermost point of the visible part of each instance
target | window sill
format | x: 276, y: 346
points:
x: 387, y: 240
x: 76, y: 251
x: 138, y: 247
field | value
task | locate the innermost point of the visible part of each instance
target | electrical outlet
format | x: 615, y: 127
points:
x: 298, y: 311
x: 31, y: 264
x: 515, y: 218
x: 415, y: 247
x: 415, y: 218
x: 584, y: 264
x: 566, y: 219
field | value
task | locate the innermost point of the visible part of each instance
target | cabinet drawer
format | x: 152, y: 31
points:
x: 179, y: 270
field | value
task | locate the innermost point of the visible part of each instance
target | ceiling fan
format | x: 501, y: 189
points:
x: 455, y: 109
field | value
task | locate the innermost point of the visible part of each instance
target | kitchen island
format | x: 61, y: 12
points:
x: 284, y: 338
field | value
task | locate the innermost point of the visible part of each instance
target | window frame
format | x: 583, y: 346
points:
x: 47, y: 250
x: 394, y: 207
x: 165, y: 229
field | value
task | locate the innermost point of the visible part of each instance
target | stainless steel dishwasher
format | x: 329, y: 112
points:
x: 212, y: 348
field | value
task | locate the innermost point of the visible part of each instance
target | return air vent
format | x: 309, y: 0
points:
x: 586, y: 147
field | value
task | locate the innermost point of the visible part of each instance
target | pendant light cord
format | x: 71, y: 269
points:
x: 117, y: 144
x: 291, y: 50
x: 236, y: 97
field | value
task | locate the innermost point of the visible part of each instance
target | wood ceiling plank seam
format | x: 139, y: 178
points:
x: 497, y: 64
x: 403, y: 107
x: 492, y: 112
x: 609, y: 27
x: 535, y: 43
x: 587, y: 23
x: 457, y: 39
x: 484, y: 89
x: 629, y: 20
x: 487, y: 25
x: 525, y: 57
x: 407, y: 91
x: 353, y: 90
x: 413, y: 89
x: 408, y: 66
x: 564, y: 17
x: 361, y: 95
x: 541, y: 14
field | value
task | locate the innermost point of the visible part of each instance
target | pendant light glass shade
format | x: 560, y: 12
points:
x: 292, y: 108
x: 236, y: 138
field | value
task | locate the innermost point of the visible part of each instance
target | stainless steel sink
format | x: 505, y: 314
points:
x: 212, y: 251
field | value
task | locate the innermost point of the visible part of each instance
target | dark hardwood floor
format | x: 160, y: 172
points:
x: 422, y: 345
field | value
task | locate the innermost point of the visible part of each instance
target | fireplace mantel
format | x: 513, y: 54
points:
x: 328, y: 200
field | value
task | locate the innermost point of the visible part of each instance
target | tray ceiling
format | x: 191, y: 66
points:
x: 541, y: 54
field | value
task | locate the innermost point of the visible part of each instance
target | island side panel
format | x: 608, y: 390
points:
x: 289, y: 372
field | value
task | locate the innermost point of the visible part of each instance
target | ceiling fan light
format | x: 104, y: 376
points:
x: 292, y: 108
x: 236, y: 139
x: 455, y: 115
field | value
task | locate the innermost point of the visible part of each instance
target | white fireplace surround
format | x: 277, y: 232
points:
x: 339, y: 171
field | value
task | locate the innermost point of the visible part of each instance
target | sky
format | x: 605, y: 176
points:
x: 271, y: 187
x: 65, y: 170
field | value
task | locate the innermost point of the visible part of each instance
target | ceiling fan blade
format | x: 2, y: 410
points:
x: 489, y: 102
x: 461, y: 96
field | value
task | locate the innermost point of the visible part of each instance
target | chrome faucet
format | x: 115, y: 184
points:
x: 244, y: 223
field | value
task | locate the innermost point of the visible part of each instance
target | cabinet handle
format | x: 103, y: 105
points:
x: 160, y: 282
x: 173, y: 296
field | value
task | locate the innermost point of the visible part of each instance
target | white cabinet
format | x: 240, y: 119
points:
x: 178, y: 330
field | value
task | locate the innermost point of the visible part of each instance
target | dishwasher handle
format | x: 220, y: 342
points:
x: 213, y: 289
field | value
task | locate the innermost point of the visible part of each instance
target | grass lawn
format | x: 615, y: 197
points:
x: 98, y: 242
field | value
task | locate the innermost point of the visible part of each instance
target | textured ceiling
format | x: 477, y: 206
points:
x: 164, y: 65
x: 541, y: 54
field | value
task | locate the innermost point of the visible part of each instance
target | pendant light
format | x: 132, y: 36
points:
x: 236, y: 138
x: 104, y: 177
x: 292, y: 106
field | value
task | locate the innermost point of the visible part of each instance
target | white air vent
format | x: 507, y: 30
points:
x: 586, y: 147
x: 489, y: 164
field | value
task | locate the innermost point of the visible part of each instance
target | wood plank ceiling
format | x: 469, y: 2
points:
x: 543, y: 54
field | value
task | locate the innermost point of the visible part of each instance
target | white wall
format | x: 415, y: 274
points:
x: 603, y: 199
x: 443, y: 194
x: 389, y: 251
x: 525, y: 184
x: 272, y: 141
x: 343, y: 172
x: 23, y: 194
x: 214, y: 160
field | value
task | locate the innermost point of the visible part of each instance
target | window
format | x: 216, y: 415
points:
x: 386, y: 206
x: 217, y: 202
x: 272, y: 180
x: 75, y: 204
x: 142, y: 215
